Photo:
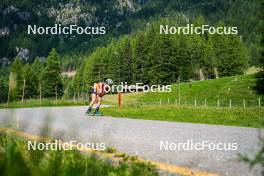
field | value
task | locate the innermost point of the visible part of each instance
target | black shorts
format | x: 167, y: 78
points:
x: 98, y: 94
x: 92, y: 91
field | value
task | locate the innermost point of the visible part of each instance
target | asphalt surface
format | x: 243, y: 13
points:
x: 143, y: 137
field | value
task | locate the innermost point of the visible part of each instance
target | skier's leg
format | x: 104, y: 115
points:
x: 97, y: 110
x: 91, y: 103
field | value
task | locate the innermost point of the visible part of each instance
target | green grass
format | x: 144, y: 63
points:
x: 44, y: 103
x: 15, y: 160
x: 237, y: 89
x: 146, y: 105
x: 224, y: 89
x: 250, y: 117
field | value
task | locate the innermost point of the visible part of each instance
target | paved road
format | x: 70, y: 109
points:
x: 142, y: 137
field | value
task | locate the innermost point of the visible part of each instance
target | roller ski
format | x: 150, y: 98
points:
x: 89, y: 112
x: 97, y: 113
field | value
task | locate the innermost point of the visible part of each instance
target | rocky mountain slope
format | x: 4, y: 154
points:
x: 118, y: 16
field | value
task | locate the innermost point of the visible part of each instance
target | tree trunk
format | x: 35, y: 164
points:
x: 201, y: 75
x: 216, y: 73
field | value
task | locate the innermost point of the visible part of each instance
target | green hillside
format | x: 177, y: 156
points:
x: 147, y: 105
x: 119, y: 17
x: 236, y: 88
x: 152, y: 58
x: 132, y: 50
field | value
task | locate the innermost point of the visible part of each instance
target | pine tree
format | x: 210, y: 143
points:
x: 31, y: 82
x: 113, y: 62
x: 260, y: 76
x: 197, y: 56
x: 126, y: 62
x: 149, y: 39
x: 231, y: 54
x: 87, y: 71
x: 152, y: 58
x: 16, y: 80
x: 162, y: 62
x: 78, y: 82
x: 97, y: 66
x: 139, y: 57
x: 102, y: 64
x: 51, y: 77
x: 37, y: 68
x: 185, y: 73
x: 210, y: 61
x: 237, y: 58
x: 69, y: 90
x: 4, y: 89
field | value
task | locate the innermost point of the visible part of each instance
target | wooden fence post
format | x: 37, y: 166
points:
x: 119, y: 100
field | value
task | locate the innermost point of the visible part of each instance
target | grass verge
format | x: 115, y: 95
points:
x: 44, y: 103
x: 250, y: 117
x: 16, y: 159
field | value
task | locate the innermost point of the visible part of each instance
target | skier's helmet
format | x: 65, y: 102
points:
x: 109, y: 81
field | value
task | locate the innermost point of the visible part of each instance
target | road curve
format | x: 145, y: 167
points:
x: 143, y: 137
